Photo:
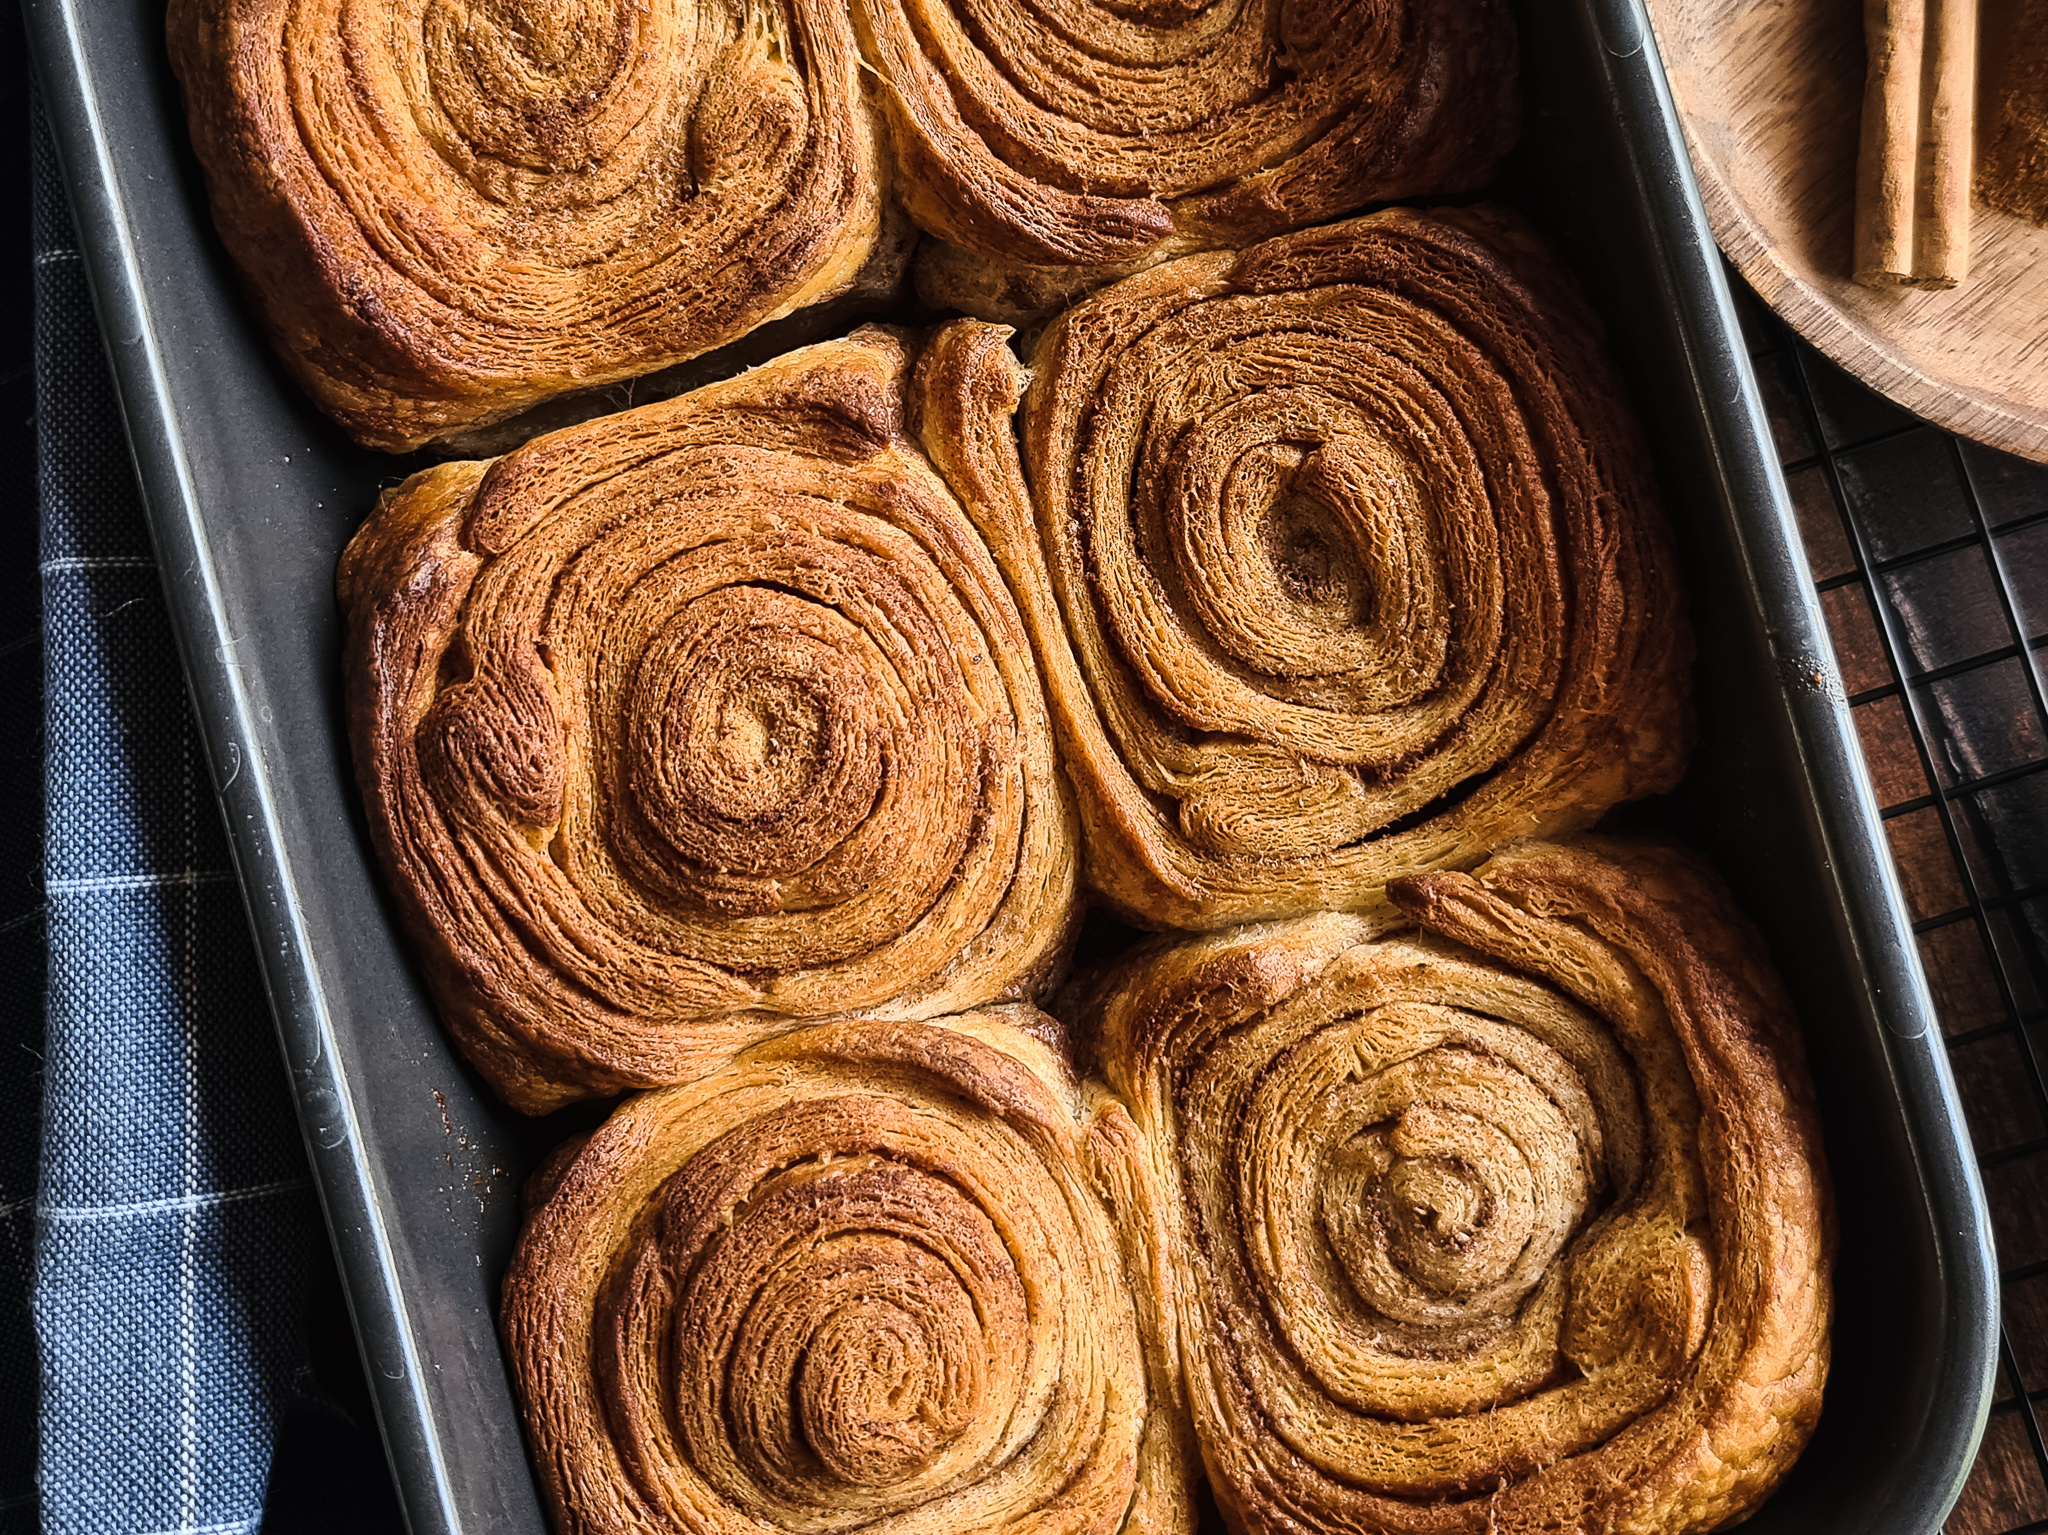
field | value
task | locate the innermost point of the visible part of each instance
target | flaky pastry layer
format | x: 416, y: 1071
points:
x: 1341, y: 556
x: 690, y: 722
x: 447, y: 211
x: 869, y: 1276
x: 1501, y: 1212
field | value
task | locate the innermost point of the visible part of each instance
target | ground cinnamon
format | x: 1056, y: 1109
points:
x: 2012, y: 166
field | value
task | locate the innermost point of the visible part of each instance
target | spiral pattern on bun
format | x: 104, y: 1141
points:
x: 447, y: 210
x: 1341, y: 556
x: 1095, y: 132
x: 1510, y: 1219
x: 698, y: 719
x: 860, y: 1278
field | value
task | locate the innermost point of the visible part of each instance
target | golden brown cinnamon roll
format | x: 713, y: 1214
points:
x: 447, y: 210
x: 1511, y: 1219
x: 1341, y: 556
x: 862, y: 1277
x: 1075, y: 132
x: 697, y: 719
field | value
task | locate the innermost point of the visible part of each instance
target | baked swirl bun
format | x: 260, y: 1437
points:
x: 1514, y: 1220
x: 447, y: 210
x: 861, y: 1278
x: 1342, y: 559
x: 693, y: 720
x: 1094, y: 132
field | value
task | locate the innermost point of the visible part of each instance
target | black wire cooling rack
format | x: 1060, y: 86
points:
x: 1930, y: 555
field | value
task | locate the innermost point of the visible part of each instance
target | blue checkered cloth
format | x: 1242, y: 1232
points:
x: 159, y: 1229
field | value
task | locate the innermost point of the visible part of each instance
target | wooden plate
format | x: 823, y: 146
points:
x: 1770, y: 92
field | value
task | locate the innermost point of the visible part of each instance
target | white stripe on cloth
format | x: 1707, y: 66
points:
x: 97, y: 562
x: 139, y: 881
x: 180, y: 1205
x: 188, y: 1239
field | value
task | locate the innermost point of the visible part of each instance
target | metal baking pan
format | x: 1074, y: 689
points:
x: 251, y: 495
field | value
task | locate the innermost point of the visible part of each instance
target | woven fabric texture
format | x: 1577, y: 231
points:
x: 21, y: 831
x: 172, y: 1218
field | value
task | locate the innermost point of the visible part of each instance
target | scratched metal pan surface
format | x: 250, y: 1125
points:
x: 251, y: 495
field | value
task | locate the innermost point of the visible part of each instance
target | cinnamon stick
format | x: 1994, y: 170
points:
x: 1941, y: 244
x: 1913, y: 172
x: 1894, y: 35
